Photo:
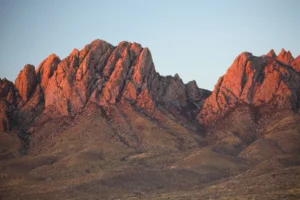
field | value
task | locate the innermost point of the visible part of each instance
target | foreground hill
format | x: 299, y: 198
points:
x: 103, y: 124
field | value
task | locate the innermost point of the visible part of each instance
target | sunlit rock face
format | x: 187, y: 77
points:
x: 104, y: 75
x: 296, y: 64
x: 26, y: 82
x: 256, y: 81
x: 46, y: 69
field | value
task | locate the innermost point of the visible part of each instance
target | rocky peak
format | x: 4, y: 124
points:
x: 175, y: 92
x: 285, y: 57
x: 296, y: 64
x: 8, y: 98
x: 99, y: 74
x: 46, y: 69
x: 194, y: 93
x: 7, y: 91
x: 105, y: 75
x: 255, y: 81
x: 26, y: 82
x: 272, y: 54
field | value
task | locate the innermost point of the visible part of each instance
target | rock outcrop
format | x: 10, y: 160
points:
x: 8, y: 98
x: 26, y: 82
x: 256, y: 81
x: 46, y: 70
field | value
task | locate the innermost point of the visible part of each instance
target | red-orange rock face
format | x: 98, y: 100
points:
x: 255, y: 81
x: 285, y: 57
x: 46, y: 69
x: 26, y: 82
x: 296, y: 64
x: 103, y: 74
x: 76, y: 76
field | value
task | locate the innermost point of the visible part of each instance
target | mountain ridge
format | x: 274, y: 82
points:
x: 255, y: 81
x: 128, y: 63
x: 103, y: 74
x: 103, y: 124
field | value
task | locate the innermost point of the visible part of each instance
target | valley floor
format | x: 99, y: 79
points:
x: 197, y: 174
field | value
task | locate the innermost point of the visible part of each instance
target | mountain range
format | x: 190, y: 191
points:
x: 103, y: 124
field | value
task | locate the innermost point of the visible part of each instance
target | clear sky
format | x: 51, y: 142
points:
x: 196, y: 39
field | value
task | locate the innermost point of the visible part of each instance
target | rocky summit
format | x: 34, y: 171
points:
x: 103, y: 124
x: 99, y: 74
x: 256, y: 81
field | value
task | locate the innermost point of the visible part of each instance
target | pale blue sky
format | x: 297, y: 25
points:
x: 196, y: 39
